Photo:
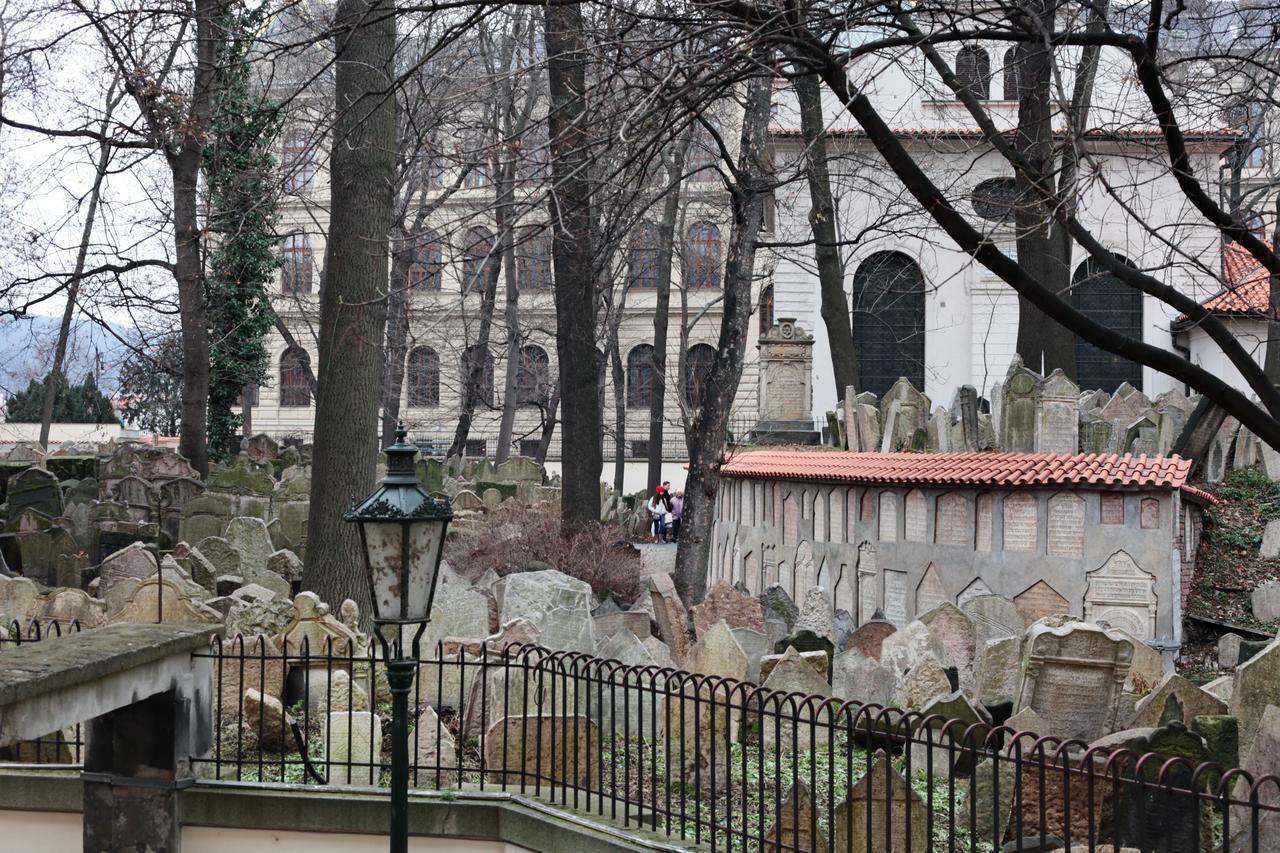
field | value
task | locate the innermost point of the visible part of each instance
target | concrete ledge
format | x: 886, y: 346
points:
x: 483, y: 815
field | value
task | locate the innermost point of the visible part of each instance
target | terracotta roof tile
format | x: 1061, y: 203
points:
x: 1248, y: 287
x: 967, y: 469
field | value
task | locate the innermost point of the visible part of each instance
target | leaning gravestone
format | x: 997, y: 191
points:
x: 250, y: 537
x: 1257, y: 685
x: 955, y: 630
x: 1074, y: 674
x: 36, y: 489
x: 993, y: 616
x: 896, y: 812
x: 559, y: 606
x: 135, y: 561
x: 1191, y: 702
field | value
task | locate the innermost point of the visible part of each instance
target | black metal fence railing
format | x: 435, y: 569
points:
x: 715, y: 761
x: 65, y: 747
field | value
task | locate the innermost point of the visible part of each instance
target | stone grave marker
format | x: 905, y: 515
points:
x: 1257, y: 685
x: 559, y: 606
x: 895, y: 809
x: 1038, y: 601
x: 993, y: 616
x: 561, y: 750
x: 352, y: 738
x: 955, y: 631
x: 795, y: 826
x: 1073, y: 676
x: 1123, y: 596
x: 37, y: 489
x: 1191, y: 701
x: 859, y: 678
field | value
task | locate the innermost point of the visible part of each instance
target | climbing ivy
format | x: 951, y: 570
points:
x: 243, y: 192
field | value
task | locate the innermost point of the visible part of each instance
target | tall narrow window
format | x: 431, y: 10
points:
x: 481, y: 390
x: 642, y: 257
x: 973, y: 71
x: 296, y: 163
x: 702, y: 256
x: 704, y: 152
x: 475, y: 159
x: 533, y: 259
x: 888, y: 321
x: 1012, y: 82
x: 640, y: 377
x: 766, y: 309
x: 294, y: 390
x: 295, y: 274
x: 477, y: 256
x: 423, y: 377
x: 424, y: 270
x: 533, y: 377
x: 1101, y: 296
x: 697, y: 367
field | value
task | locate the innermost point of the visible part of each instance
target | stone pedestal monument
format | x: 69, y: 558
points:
x: 786, y: 392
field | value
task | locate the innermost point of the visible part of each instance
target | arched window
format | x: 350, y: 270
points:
x: 973, y: 71
x: 475, y: 158
x: 888, y: 321
x: 533, y: 259
x: 296, y: 162
x: 295, y: 273
x: 294, y: 390
x: 424, y: 269
x: 477, y: 255
x: 1098, y: 294
x: 697, y: 367
x: 766, y: 309
x: 1012, y: 83
x: 640, y: 376
x: 704, y: 152
x: 702, y: 256
x: 533, y: 377
x: 423, y: 377
x: 483, y: 390
x: 642, y: 258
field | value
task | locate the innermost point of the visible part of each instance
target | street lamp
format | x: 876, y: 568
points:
x: 402, y: 532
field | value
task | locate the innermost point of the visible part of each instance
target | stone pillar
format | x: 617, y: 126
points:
x: 136, y: 763
x: 786, y: 386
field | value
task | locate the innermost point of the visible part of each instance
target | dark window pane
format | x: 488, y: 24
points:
x: 423, y: 377
x: 888, y: 321
x: 973, y: 71
x: 640, y: 377
x: 1101, y: 296
x: 994, y: 199
x: 294, y: 390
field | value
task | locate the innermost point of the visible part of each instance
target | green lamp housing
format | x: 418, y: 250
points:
x: 402, y: 530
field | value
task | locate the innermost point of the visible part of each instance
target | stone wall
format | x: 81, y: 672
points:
x: 1115, y: 556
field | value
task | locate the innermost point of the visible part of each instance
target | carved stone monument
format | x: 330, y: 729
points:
x: 1074, y: 673
x: 786, y: 394
x: 1122, y: 595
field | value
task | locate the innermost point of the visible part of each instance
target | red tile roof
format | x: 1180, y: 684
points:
x: 968, y: 469
x: 1248, y: 286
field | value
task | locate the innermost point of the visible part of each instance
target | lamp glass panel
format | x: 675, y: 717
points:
x: 382, y: 543
x: 424, y: 548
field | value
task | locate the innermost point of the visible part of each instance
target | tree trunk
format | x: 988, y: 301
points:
x: 397, y: 342
x: 662, y: 312
x: 711, y: 419
x: 548, y: 425
x: 1043, y: 250
x: 822, y: 222
x: 510, y: 399
x: 353, y: 299
x: 619, y: 377
x: 576, y: 299
x: 73, y: 287
x: 188, y: 266
x: 1271, y: 356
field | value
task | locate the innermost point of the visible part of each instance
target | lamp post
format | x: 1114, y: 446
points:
x: 402, y: 531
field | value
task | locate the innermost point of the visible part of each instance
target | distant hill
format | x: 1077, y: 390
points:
x: 26, y: 352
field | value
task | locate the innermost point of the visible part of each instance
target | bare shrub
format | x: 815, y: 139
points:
x: 512, y: 537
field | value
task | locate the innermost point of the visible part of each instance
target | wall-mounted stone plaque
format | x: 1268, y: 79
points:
x: 1122, y: 595
x: 1038, y: 601
x: 888, y: 517
x: 1019, y: 523
x: 1074, y: 673
x: 895, y: 597
x: 976, y: 587
x: 1066, y: 525
x: 982, y: 514
x: 930, y: 592
x: 868, y: 577
x: 950, y: 526
x: 1111, y: 508
x: 1150, y: 514
x: 917, y: 516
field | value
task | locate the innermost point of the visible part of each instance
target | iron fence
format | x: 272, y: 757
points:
x: 61, y: 748
x: 716, y: 761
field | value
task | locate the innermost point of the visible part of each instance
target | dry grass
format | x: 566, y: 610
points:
x: 509, y: 539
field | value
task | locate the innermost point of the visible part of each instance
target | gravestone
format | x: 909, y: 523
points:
x: 627, y: 712
x: 136, y: 494
x: 725, y: 602
x: 252, y: 541
x: 966, y: 409
x: 895, y: 596
x: 559, y: 606
x: 1018, y: 409
x: 1257, y: 685
x: 352, y: 743
x: 220, y: 554
x: 1038, y: 601
x: 204, y: 516
x: 260, y: 448
x: 896, y: 812
x: 930, y: 592
x: 1057, y: 415
x: 434, y: 749
x: 797, y: 825
x: 561, y: 750
x: 133, y: 561
x: 1074, y: 674
x: 1191, y: 701
x: 787, y: 725
x: 998, y: 671
x: 174, y: 496
x: 858, y: 678
x: 1262, y: 758
x: 20, y: 602
x: 1122, y: 595
x: 993, y: 616
x: 35, y: 489
x: 955, y: 632
x: 868, y: 637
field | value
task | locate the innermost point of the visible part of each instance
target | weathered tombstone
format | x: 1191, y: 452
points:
x: 998, y: 671
x: 1038, y: 601
x: 252, y: 541
x: 1057, y: 417
x: 796, y: 827
x: 859, y: 678
x: 260, y: 448
x: 941, y: 747
x: 903, y: 412
x: 36, y: 489
x: 562, y: 750
x: 1257, y: 685
x: 138, y: 495
x: 868, y: 637
x: 163, y: 600
x: 352, y: 742
x: 923, y: 683
x: 244, y: 479
x: 1018, y: 409
x: 724, y: 602
x: 20, y: 602
x: 903, y: 649
x: 955, y: 631
x: 993, y: 616
x: 1191, y: 700
x: 174, y: 495
x: 558, y: 605
x: 134, y: 561
x: 1074, y: 673
x: 1260, y: 759
x: 221, y: 555
x: 434, y: 749
x: 203, y: 516
x: 467, y: 501
x: 1123, y: 596
x: 896, y: 813
x: 669, y: 614
x: 790, y: 725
